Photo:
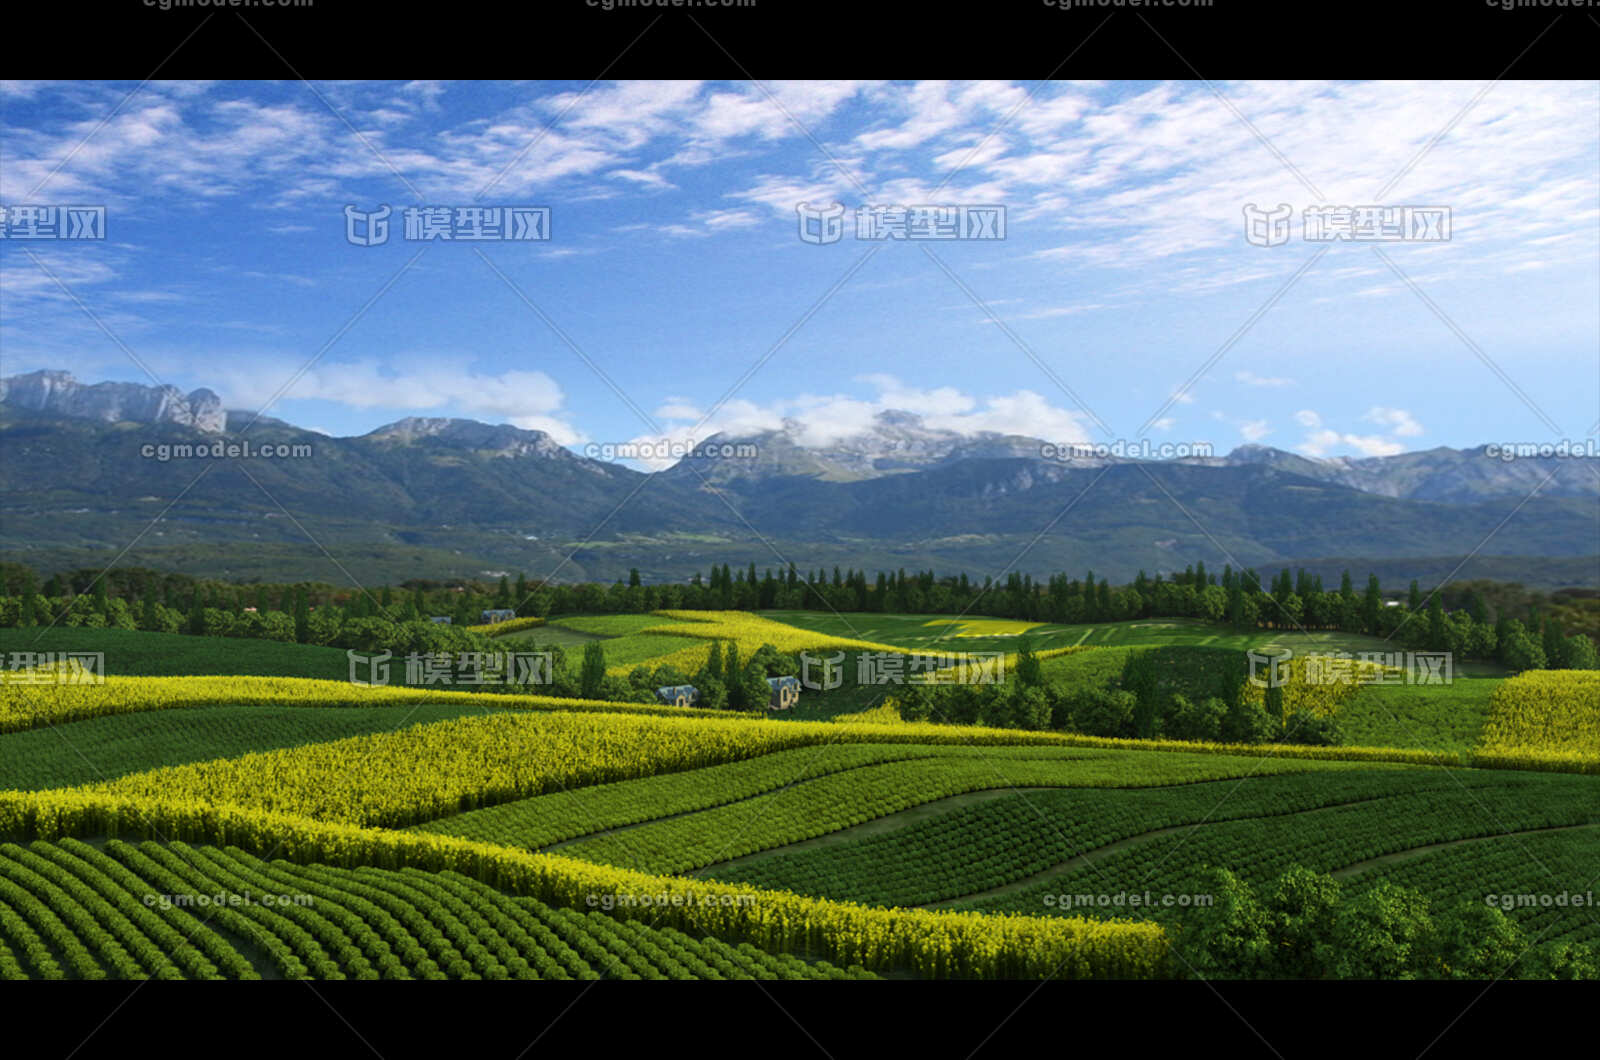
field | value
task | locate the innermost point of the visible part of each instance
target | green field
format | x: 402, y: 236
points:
x: 71, y: 911
x: 1445, y: 718
x: 940, y: 633
x: 103, y: 748
x: 1019, y: 851
x: 899, y: 821
x: 158, y: 654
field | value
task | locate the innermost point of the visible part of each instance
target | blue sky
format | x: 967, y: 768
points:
x: 675, y: 266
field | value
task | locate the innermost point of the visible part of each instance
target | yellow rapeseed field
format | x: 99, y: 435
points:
x: 985, y: 627
x: 430, y: 770
x: 749, y: 631
x: 1549, y: 718
x: 513, y: 625
x: 28, y: 706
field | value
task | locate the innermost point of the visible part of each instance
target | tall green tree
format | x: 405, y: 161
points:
x: 592, y: 673
x: 733, y: 677
x: 1029, y: 671
x: 1372, y: 605
x: 302, y: 616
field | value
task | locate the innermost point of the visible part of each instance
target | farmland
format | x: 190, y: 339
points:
x: 417, y: 833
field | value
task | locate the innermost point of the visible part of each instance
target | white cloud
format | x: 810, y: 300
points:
x: 819, y: 420
x: 1250, y: 430
x: 1249, y: 378
x: 1323, y: 441
x: 527, y: 399
x: 1399, y: 421
x: 1127, y: 178
x: 1318, y: 443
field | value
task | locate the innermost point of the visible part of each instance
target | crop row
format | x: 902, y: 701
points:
x: 1259, y: 850
x: 434, y: 770
x: 1523, y: 875
x: 547, y: 819
x: 979, y: 847
x: 428, y: 771
x: 937, y: 944
x: 99, y: 911
x: 816, y: 807
x: 30, y: 706
x: 100, y: 749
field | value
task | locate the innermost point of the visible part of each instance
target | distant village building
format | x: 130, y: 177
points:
x: 502, y: 614
x: 443, y: 620
x: 678, y: 695
x: 785, y: 692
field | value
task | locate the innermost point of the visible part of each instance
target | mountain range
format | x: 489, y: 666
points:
x: 440, y: 498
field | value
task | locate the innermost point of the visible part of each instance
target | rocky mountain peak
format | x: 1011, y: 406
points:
x: 59, y: 393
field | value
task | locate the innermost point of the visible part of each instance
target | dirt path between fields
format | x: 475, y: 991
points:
x: 1400, y: 856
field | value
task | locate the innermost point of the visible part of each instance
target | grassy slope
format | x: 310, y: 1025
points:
x: 1447, y: 718
x: 103, y: 748
x: 138, y: 653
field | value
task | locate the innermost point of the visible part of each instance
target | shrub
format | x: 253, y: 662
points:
x: 1185, y: 720
x: 1102, y: 712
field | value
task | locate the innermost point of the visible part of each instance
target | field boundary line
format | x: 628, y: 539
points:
x: 1355, y: 868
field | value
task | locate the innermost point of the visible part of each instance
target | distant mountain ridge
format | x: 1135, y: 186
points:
x: 1440, y: 474
x: 77, y: 477
x: 898, y: 442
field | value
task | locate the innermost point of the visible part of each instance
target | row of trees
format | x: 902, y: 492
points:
x: 1515, y: 629
x: 1135, y: 704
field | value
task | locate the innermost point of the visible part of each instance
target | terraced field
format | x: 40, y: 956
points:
x: 101, y: 749
x: 173, y: 911
x: 423, y: 835
x: 1022, y: 852
x: 816, y: 807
